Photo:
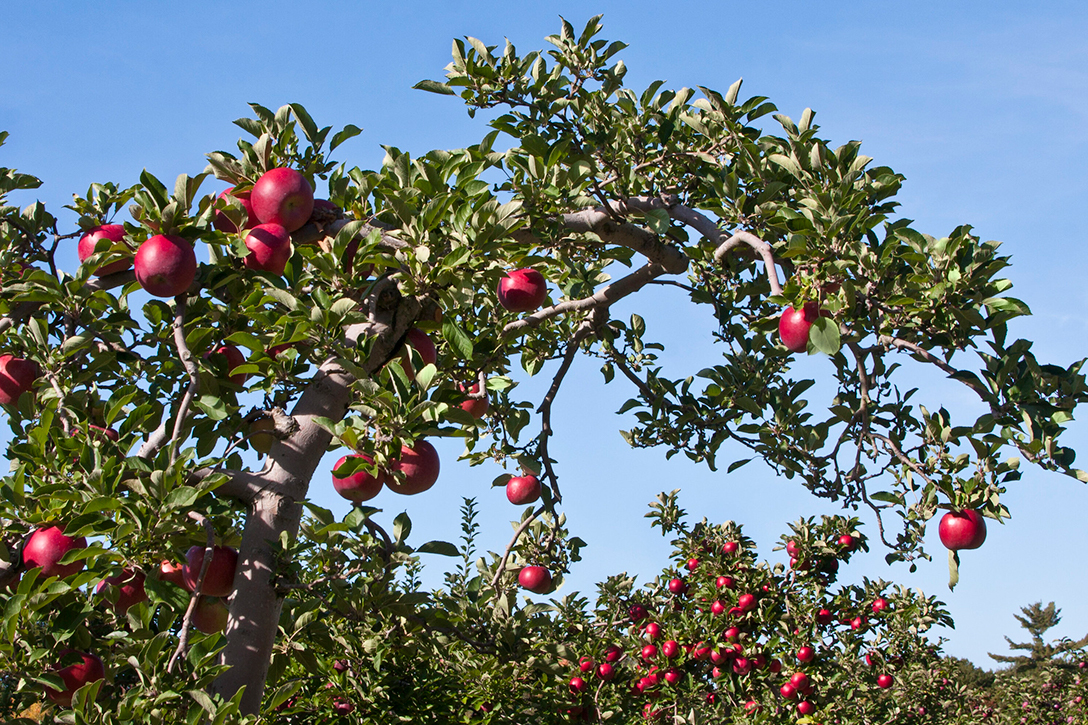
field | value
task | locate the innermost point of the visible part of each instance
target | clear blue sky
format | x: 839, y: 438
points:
x: 981, y: 105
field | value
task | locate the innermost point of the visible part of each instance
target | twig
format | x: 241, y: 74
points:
x: 65, y: 422
x: 204, y: 566
x: 186, y: 358
x: 509, y: 547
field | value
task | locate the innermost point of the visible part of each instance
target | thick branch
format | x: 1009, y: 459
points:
x: 762, y: 248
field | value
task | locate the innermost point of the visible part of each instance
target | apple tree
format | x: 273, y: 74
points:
x: 397, y: 309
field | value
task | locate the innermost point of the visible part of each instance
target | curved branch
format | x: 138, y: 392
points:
x: 761, y: 247
x: 509, y: 547
x: 604, y: 297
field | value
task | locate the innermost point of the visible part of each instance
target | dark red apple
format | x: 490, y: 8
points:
x: 17, y: 376
x: 325, y: 211
x: 805, y: 707
x: 794, y: 326
x: 282, y: 196
x: 210, y: 615
x: 879, y: 605
x: 885, y: 681
x: 652, y: 630
x: 359, y: 486
x: 46, y: 546
x: 962, y: 530
x: 421, y: 342
x: 522, y: 290
x: 577, y: 685
x: 165, y: 265
x: 586, y: 664
x: 805, y: 654
x: 522, y: 490
x: 678, y: 586
x: 476, y: 407
x: 670, y: 648
x: 129, y: 585
x: 108, y: 232
x: 674, y: 676
x: 649, y: 652
x: 269, y: 248
x: 536, y: 579
x: 88, y: 668
x: 420, y: 466
x: 342, y: 707
x: 101, y: 433
x: 219, y: 580
x: 730, y: 547
x: 725, y: 582
x: 823, y: 616
x: 746, y: 602
x: 232, y: 357
x: 612, y: 653
x: 606, y: 671
x: 223, y: 223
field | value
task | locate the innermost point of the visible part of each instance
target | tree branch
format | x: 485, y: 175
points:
x: 186, y: 358
x: 762, y: 248
x: 183, y: 640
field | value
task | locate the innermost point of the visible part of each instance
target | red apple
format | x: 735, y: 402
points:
x: 847, y: 542
x: 879, y: 605
x: 788, y: 691
x: 173, y: 573
x: 652, y: 630
x: 536, y: 579
x: 419, y: 341
x: 420, y: 466
x: 88, y: 242
x: 522, y: 490
x: 606, y: 671
x: 17, y: 376
x: 210, y: 615
x: 637, y: 612
x: 725, y: 582
x: 89, y: 668
x: 673, y: 676
x: 586, y: 664
x: 359, y: 486
x: 269, y: 248
x: 746, y: 602
x: 885, y: 681
x: 522, y: 290
x: 283, y: 196
x: 794, y: 326
x: 670, y: 648
x: 793, y: 548
x: 219, y: 580
x: 742, y: 666
x: 649, y: 652
x: 799, y: 680
x: 823, y: 616
x: 46, y: 546
x: 101, y: 433
x: 692, y: 564
x: 774, y: 666
x: 612, y: 653
x: 730, y: 547
x: 962, y: 530
x: 476, y: 407
x: 342, y: 707
x: 232, y: 358
x: 223, y: 223
x: 129, y: 585
x: 577, y: 685
x: 165, y: 265
x: 806, y: 654
x: 717, y: 607
x: 805, y: 707
x: 678, y: 586
x: 325, y: 211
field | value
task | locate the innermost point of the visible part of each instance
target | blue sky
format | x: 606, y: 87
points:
x: 981, y: 105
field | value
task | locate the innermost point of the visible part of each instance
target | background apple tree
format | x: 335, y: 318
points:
x: 603, y: 190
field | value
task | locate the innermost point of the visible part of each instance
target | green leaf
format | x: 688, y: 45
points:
x: 953, y: 569
x: 824, y: 336
x: 435, y: 87
x: 402, y: 526
x: 442, y: 548
x: 457, y: 338
x: 348, y: 132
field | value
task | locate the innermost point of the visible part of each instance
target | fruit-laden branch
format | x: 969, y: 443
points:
x: 205, y: 564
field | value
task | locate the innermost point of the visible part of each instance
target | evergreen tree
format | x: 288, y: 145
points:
x: 1037, y: 620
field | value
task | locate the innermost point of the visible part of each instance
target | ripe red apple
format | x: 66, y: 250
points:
x: 730, y: 547
x: 678, y: 586
x: 88, y: 668
x: 775, y: 666
x: 847, y: 542
x: 717, y: 607
x: 857, y: 623
x: 88, y: 242
x: 606, y: 671
x: 746, y: 602
x: 522, y: 290
x: 342, y: 707
x: 420, y: 466
x: 674, y: 676
x: 612, y: 653
x: 476, y: 407
x: 805, y: 707
x: 788, y: 691
x: 269, y: 248
x: 165, y: 265
x: 46, y: 546
x: 823, y: 616
x: 173, y: 573
x: 219, y: 580
x: 283, y: 196
x: 806, y: 654
x: 522, y: 490
x: 879, y: 605
x: 325, y: 211
x: 341, y: 666
x: 223, y: 223
x: 419, y: 341
x: 793, y: 548
x: 210, y: 615
x: 670, y: 648
x: 232, y: 357
x: 692, y: 564
x: 536, y: 579
x: 586, y: 664
x: 101, y: 433
x: 794, y: 326
x: 17, y: 376
x: 962, y: 530
x: 742, y: 666
x: 799, y: 680
x: 725, y: 582
x: 577, y: 685
x: 652, y: 630
x: 649, y: 652
x: 359, y: 486
x: 637, y: 612
x: 885, y: 681
x: 129, y: 585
